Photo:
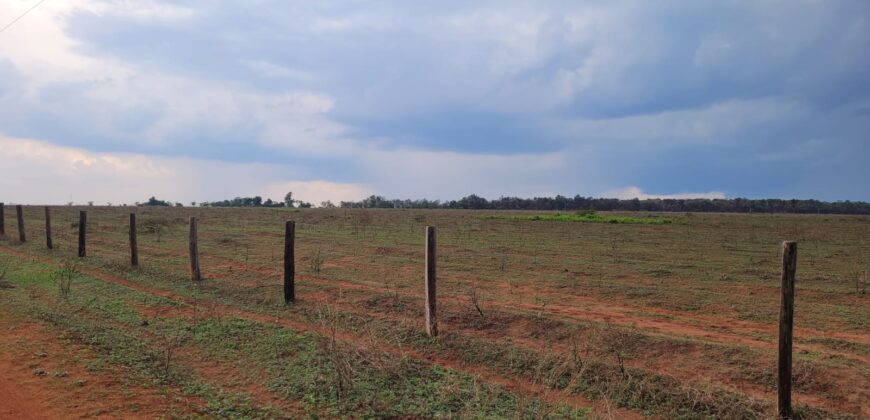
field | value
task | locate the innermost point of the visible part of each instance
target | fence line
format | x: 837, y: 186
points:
x: 786, y: 318
x: 431, y: 314
x: 289, y: 261
x: 195, y: 273
x: 48, y: 243
x: 786, y: 324
x: 134, y: 246
x: 19, y: 213
x: 83, y: 232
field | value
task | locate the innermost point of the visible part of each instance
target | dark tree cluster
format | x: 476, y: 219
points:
x: 153, y: 201
x: 245, y: 202
x: 732, y: 205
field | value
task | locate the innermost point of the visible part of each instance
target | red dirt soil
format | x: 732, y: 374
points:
x: 44, y: 378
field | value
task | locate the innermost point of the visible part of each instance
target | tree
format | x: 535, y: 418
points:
x: 288, y: 199
x: 327, y: 204
x: 153, y: 201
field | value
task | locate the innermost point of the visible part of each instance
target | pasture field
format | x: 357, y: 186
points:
x: 656, y: 315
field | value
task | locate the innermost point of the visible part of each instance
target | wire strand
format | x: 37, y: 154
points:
x: 21, y: 16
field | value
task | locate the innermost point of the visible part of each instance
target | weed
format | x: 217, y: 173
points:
x: 64, y: 277
x: 338, y: 354
x: 156, y: 226
x: 317, y: 261
x: 474, y: 297
x: 169, y: 345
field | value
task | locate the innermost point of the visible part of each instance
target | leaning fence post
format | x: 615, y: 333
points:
x: 2, y: 220
x: 19, y: 212
x: 431, y: 317
x: 134, y: 250
x: 194, y: 253
x: 83, y: 231
x: 289, y: 262
x: 786, y: 320
x: 48, y: 243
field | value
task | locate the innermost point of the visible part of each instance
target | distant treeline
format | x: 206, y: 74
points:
x: 255, y: 201
x: 733, y: 205
x: 258, y: 201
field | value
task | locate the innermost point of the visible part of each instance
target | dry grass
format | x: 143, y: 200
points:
x: 676, y: 318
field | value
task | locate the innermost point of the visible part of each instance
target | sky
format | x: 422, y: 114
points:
x: 116, y: 101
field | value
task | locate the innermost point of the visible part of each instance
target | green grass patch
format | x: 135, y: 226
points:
x: 585, y: 217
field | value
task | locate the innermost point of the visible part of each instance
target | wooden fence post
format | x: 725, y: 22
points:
x: 194, y: 253
x: 2, y: 220
x: 431, y: 317
x: 289, y: 262
x: 83, y: 231
x: 48, y: 243
x: 786, y: 319
x: 134, y: 249
x: 19, y: 212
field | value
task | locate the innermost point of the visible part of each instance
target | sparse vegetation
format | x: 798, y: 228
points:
x: 634, y: 317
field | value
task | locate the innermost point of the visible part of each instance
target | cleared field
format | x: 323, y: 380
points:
x: 540, y: 316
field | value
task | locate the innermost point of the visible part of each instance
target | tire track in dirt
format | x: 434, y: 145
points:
x: 519, y: 386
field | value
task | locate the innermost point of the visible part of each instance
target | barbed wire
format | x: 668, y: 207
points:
x: 21, y: 16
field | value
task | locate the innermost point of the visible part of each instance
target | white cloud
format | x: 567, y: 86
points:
x: 33, y: 171
x: 635, y: 192
x: 265, y: 68
x: 107, y: 97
